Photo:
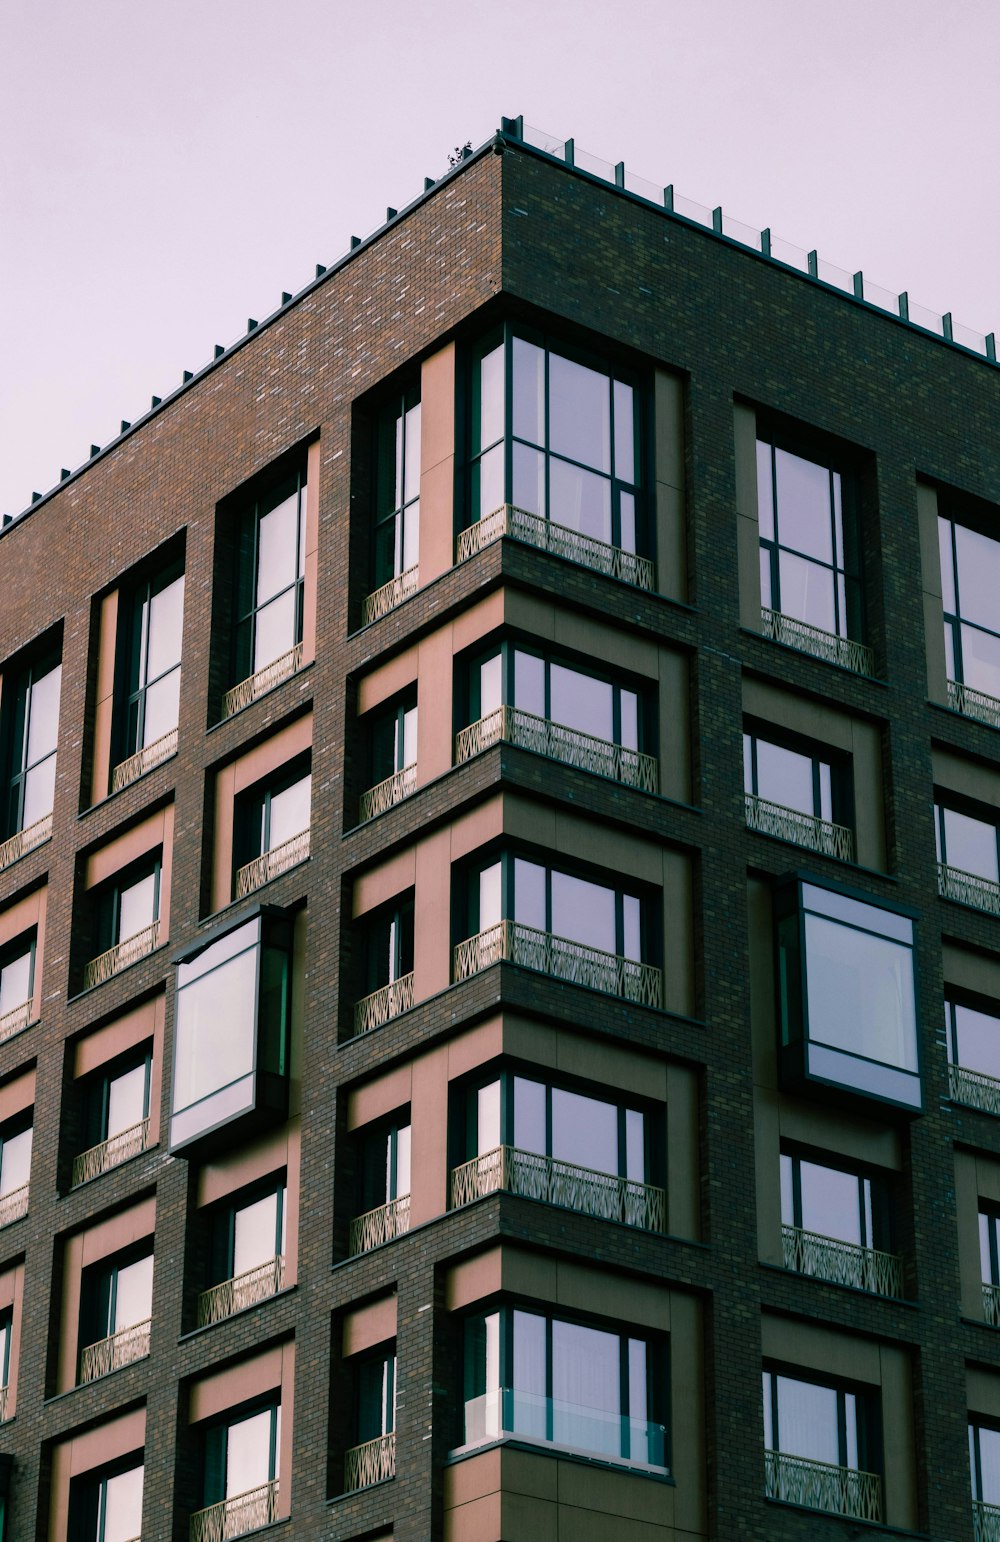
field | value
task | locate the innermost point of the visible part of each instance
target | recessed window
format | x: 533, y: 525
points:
x: 248, y: 1253
x: 271, y: 828
x: 973, y: 1040
x: 241, y: 1473
x: 6, y: 1336
x: 822, y: 1446
x: 386, y: 939
x: 835, y: 1225
x: 116, y: 1308
x: 984, y: 1461
x: 17, y: 985
x: 15, y: 1168
x: 989, y: 1262
x: 373, y: 1458
x: 269, y: 597
x: 116, y: 1115
x: 384, y: 1197
x: 392, y: 756
x: 970, y: 589
x: 107, y: 1506
x: 968, y: 854
x: 29, y: 728
x: 148, y: 675
x: 126, y: 913
x: 798, y: 795
x: 397, y: 487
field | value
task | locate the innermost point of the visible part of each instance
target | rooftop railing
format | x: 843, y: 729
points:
x: 25, y: 840
x: 114, y: 1352
x: 124, y: 953
x: 373, y: 1462
x: 16, y: 1020
x: 144, y: 760
x: 585, y: 1190
x: 385, y: 795
x: 816, y: 642
x: 842, y: 1263
x: 823, y: 1486
x: 235, y: 1517
x: 243, y: 1290
x: 985, y: 1521
x: 266, y: 679
x: 561, y: 540
x: 585, y: 751
x: 381, y: 601
x: 120, y: 1147
x: 382, y: 1005
x: 271, y: 864
x: 977, y: 1089
x: 969, y: 889
x: 514, y: 943
x: 971, y: 703
x: 787, y: 824
x: 380, y: 1225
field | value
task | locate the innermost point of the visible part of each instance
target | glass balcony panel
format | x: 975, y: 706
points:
x: 569, y: 1425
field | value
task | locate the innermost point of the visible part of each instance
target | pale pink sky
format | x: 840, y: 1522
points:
x: 167, y: 167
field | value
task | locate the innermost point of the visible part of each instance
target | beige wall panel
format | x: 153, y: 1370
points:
x: 767, y: 1151
x: 276, y: 751
x: 967, y: 1192
x: 123, y: 849
x: 478, y: 1520
x: 840, y: 1133
x: 820, y: 1349
x: 222, y: 846
x: 530, y: 613
x: 383, y: 883
x: 982, y: 1392
x: 930, y: 566
x: 899, y: 1451
x: 683, y: 1156
x: 763, y: 1019
x: 988, y: 1178
x: 479, y: 620
x: 812, y: 719
x: 473, y: 1279
x: 472, y: 1479
x: 429, y: 1137
x: 530, y: 1274
x: 475, y: 1047
x: 388, y: 680
x: 668, y: 447
x: 117, y: 1232
x: 368, y: 1326
x: 525, y: 1519
x: 937, y: 663
x: 609, y: 647
x: 115, y: 1038
x: 967, y: 777
x: 107, y: 633
x: 675, y: 726
x: 671, y: 543
x: 678, y: 934
x: 313, y: 472
x: 748, y: 560
x: 972, y: 971
x: 380, y: 1097
x: 614, y: 1498
x: 580, y: 1288
x: 236, y: 1384
x: 606, y: 1064
x: 533, y: 1474
x: 437, y: 532
x: 16, y: 1096
x: 70, y: 1458
x: 434, y: 718
x: 432, y: 916
x: 524, y: 820
x: 475, y: 828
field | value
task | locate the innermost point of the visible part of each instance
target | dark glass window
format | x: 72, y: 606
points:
x: 547, y: 688
x: 107, y: 1506
x: 115, y: 1296
x: 568, y: 1126
x: 973, y: 1038
x: 809, y: 562
x: 149, y: 655
x: 385, y: 1164
x: 17, y: 977
x: 270, y: 815
x: 241, y: 1456
x: 6, y: 1334
x: 546, y: 899
x: 818, y: 1422
x: 989, y: 1254
x: 129, y: 903
x: 393, y: 739
x: 30, y: 733
x: 789, y: 777
x: 270, y: 577
x: 249, y: 1232
x: 15, y: 1158
x: 970, y: 587
x: 388, y: 944
x: 397, y: 487
x: 116, y: 1098
x: 376, y: 1396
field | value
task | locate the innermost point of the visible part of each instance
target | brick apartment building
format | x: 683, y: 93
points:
x: 499, y: 906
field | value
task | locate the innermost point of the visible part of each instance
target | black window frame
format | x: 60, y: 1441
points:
x: 880, y: 1185
x: 868, y: 1407
x: 272, y: 493
x: 383, y: 1355
x: 221, y: 1223
x: 947, y: 802
x: 390, y: 513
x: 839, y: 764
x: 954, y: 621
x: 216, y: 1433
x: 396, y: 918
x: 15, y: 727
x: 388, y: 720
x: 99, y: 1291
x: 106, y: 898
x: 131, y: 660
x: 95, y: 1091
x: 378, y: 1159
x: 87, y: 1498
x: 252, y: 811
x: 15, y: 949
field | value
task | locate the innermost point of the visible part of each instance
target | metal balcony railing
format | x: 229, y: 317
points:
x: 547, y: 535
x: 385, y: 795
x: 243, y: 1290
x: 787, y: 824
x: 971, y: 703
x: 25, y: 840
x: 266, y: 679
x: 381, y: 601
x: 13, y: 1205
x: 969, y: 889
x: 15, y: 1021
x: 818, y: 643
x: 514, y: 943
x: 235, y: 1517
x: 991, y: 1304
x: 144, y: 760
x: 977, y: 1089
x: 586, y: 752
x: 4, y: 1399
x: 842, y: 1263
x: 109, y: 1153
x: 379, y: 1225
x: 985, y: 1521
x: 271, y: 864
x: 385, y: 1003
x: 124, y: 953
x: 823, y: 1486
x: 583, y: 1189
x: 116, y: 1350
x: 373, y: 1462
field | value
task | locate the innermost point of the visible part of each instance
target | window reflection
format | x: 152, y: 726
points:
x: 31, y: 725
x: 970, y: 579
x: 809, y: 562
x: 967, y: 843
x: 397, y: 491
x: 600, y: 1134
x: 270, y: 577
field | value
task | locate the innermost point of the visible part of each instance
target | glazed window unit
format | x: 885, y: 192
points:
x: 798, y: 794
x: 107, y: 1506
x: 116, y: 1308
x: 373, y: 1457
x: 271, y: 828
x: 383, y: 1209
x: 269, y: 596
x: 126, y: 913
x: 15, y: 1168
x: 972, y: 1035
x: 989, y: 1262
x: 17, y: 985
x: 148, y: 676
x: 391, y: 738
x: 835, y: 1225
x: 6, y: 1337
x: 396, y: 541
x: 970, y: 590
x: 240, y: 1465
x: 968, y: 856
x: 385, y: 941
x: 29, y: 729
x: 115, y: 1103
x: 822, y: 1446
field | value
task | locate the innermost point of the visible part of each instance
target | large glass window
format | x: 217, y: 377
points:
x: 782, y: 779
x: 545, y: 899
x: 387, y: 944
x: 15, y: 1167
x: 568, y: 1126
x: 557, y: 438
x: 271, y: 821
x: 397, y: 487
x: 809, y: 563
x: 393, y: 740
x: 17, y: 983
x: 572, y: 1384
x: 241, y: 1457
x: 545, y: 688
x: 832, y: 1202
x: 126, y: 907
x: 376, y: 1397
x: 30, y: 733
x: 149, y: 661
x: 811, y: 1427
x: 970, y: 588
x: 249, y: 1232
x: 116, y: 1304
x: 385, y: 1164
x: 984, y: 1460
x: 969, y: 845
x: 107, y: 1506
x: 973, y: 1041
x: 270, y: 577
x: 846, y: 993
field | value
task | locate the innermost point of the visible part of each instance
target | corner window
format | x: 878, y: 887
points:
x: 569, y: 1384
x: 970, y: 589
x: 30, y: 727
x: 248, y: 1253
x: 270, y: 591
x: 384, y: 1189
x: 241, y: 1471
x: 149, y: 674
x: 846, y: 994
x: 115, y: 1315
x: 107, y: 1506
x: 17, y: 985
x: 798, y: 796
x: 835, y: 1225
x: 973, y: 1039
x: 822, y: 1446
x: 271, y: 828
x: 968, y: 854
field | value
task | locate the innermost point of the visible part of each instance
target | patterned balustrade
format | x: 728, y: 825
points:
x: 373, y: 1462
x: 975, y: 1088
x: 586, y: 752
x: 969, y: 889
x: 15, y: 1021
x: 985, y: 1521
x: 120, y: 1147
x: 144, y: 760
x: 13, y: 1205
x: 124, y: 953
x: 514, y: 943
x: 398, y: 589
x: 842, y: 1263
x: 583, y: 1189
x: 246, y: 1289
x: 385, y: 1003
x: 788, y: 824
x: 236, y: 1516
x: 271, y: 864
x: 4, y: 1400
x: 116, y: 1350
x: 387, y: 794
x: 380, y: 1225
x: 823, y: 1486
x: 25, y: 840
x: 266, y: 679
x: 978, y: 704
x: 991, y: 1304
x: 547, y: 535
x: 816, y: 642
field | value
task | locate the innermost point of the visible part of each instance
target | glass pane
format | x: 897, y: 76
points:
x: 838, y: 520
x: 626, y: 514
x: 985, y: 1260
x: 980, y: 660
x: 375, y: 1402
x: 747, y: 763
x: 43, y: 715
x: 581, y: 702
x: 290, y: 811
x: 411, y: 482
x: 645, y: 1444
x: 529, y: 392
x: 947, y: 565
x: 402, y: 1183
x: 583, y: 912
x: 785, y: 777
x: 580, y: 500
x: 137, y: 906
x: 274, y: 634
x: 528, y: 1384
x: 39, y: 791
x: 529, y: 683
x: 397, y: 481
x: 804, y: 521
x: 787, y: 1192
x: 766, y: 597
x: 15, y: 982
x: 977, y: 1037
x: 989, y: 1458
x: 276, y: 553
x: 978, y: 577
x: 765, y: 491
x: 628, y: 708
x: 807, y: 1421
x: 632, y: 918
x: 162, y: 707
x: 529, y: 1116
x: 949, y: 650
x: 490, y: 685
x: 489, y: 897
x: 482, y: 1378
x: 166, y: 615
x: 850, y: 1454
x: 624, y: 432
x: 134, y: 1294
x: 635, y: 1146
x: 248, y: 1454
x: 215, y: 1029
x: 586, y: 1388
x: 491, y: 403
x: 579, y: 413
x: 970, y: 844
x: 15, y: 1162
x: 411, y: 536
x: 126, y: 1100
x: 528, y: 491
x: 768, y: 1431
x: 529, y: 894
x: 122, y: 1499
x: 825, y: 792
x: 408, y: 755
x: 585, y: 1131
x: 255, y: 1232
x: 488, y: 1118
x: 830, y: 1202
x: 806, y: 591
x: 860, y: 993
x: 491, y: 481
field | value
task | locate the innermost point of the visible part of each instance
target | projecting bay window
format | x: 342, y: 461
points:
x: 29, y: 727
x: 127, y: 915
x: 116, y: 1115
x: 822, y: 1447
x: 116, y: 1308
x: 835, y: 1226
x: 17, y: 985
x: 396, y: 545
x: 384, y: 1202
x: 392, y: 743
x: 846, y: 994
x: 107, y: 1506
x: 560, y: 924
x: 565, y: 1148
x: 373, y: 1458
x: 968, y: 855
x: 810, y: 584
x: 248, y: 1254
x: 149, y: 676
x: 555, y: 458
x: 15, y: 1168
x: 271, y: 829
x: 387, y: 952
x: 566, y: 1384
x: 555, y: 710
x: 241, y: 1459
x: 270, y: 592
x: 797, y: 796
x: 973, y: 1039
x: 970, y: 589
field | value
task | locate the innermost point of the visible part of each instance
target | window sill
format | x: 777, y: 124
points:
x: 562, y: 1453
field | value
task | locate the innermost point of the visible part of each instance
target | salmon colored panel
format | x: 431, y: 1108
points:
x: 21, y: 917
x: 107, y: 637
x: 235, y: 1385
x: 118, y: 853
x: 384, y: 882
x: 115, y: 1038
x: 368, y: 1326
x: 312, y: 548
x: 16, y: 1096
x: 274, y: 753
x: 474, y: 1279
x: 379, y: 1097
x: 388, y: 680
x: 222, y: 854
